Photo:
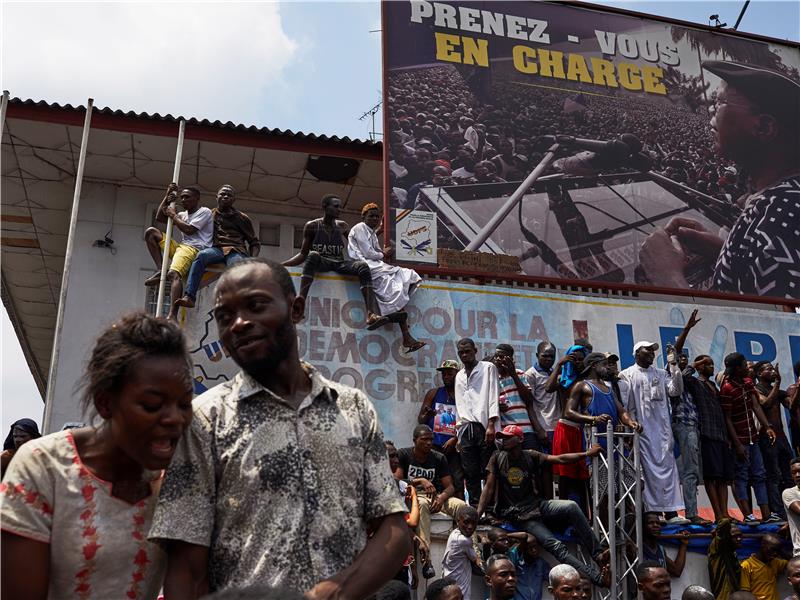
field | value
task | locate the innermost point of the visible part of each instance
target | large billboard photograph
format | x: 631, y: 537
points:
x: 597, y: 147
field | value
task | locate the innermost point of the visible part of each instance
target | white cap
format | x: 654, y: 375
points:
x: 644, y: 344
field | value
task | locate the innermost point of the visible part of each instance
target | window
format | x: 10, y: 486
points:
x: 152, y: 297
x: 298, y: 236
x: 269, y: 234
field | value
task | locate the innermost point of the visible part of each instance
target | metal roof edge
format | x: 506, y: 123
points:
x: 108, y: 117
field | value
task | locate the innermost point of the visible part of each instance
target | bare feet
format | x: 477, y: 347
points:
x: 154, y: 279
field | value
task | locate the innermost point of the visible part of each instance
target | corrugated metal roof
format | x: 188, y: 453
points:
x: 229, y: 125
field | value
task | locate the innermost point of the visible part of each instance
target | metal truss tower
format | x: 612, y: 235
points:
x: 617, y: 509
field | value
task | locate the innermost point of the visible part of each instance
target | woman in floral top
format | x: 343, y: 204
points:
x: 77, y: 504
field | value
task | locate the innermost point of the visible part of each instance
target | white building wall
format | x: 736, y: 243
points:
x: 103, y: 285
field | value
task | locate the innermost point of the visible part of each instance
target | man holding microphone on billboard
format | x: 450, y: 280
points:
x: 755, y: 123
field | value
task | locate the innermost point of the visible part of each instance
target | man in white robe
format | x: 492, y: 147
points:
x: 393, y: 285
x: 650, y: 389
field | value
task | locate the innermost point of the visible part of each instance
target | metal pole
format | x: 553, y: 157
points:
x: 741, y: 14
x: 516, y: 197
x: 611, y: 496
x: 595, y: 484
x: 162, y: 283
x: 62, y: 296
x: 3, y: 107
x: 637, y: 469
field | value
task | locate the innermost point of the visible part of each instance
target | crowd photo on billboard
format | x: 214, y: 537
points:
x: 663, y: 157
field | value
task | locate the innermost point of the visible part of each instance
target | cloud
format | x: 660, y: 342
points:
x: 205, y: 60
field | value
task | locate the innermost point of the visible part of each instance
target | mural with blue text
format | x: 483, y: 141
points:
x: 333, y: 338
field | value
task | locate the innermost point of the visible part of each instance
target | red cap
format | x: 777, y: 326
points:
x: 511, y: 430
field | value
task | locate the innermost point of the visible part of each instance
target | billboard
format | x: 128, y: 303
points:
x: 596, y: 146
x: 333, y: 338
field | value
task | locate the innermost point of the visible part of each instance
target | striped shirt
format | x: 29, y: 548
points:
x: 737, y: 401
x: 517, y: 413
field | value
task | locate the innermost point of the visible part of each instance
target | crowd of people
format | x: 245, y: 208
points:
x: 281, y: 477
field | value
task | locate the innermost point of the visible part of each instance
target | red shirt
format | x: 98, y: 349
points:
x: 737, y: 402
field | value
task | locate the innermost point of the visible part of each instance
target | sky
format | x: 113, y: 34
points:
x: 304, y: 66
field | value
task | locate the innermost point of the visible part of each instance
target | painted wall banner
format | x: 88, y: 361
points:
x: 580, y: 141
x: 333, y: 337
x: 415, y: 232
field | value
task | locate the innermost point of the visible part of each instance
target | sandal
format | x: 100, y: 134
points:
x: 378, y: 322
x: 414, y: 347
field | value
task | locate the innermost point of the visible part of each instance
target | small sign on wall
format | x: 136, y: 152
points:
x: 416, y: 236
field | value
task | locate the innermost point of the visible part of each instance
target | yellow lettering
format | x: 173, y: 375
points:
x: 577, y: 69
x: 476, y: 52
x: 551, y: 64
x: 446, y: 45
x: 524, y: 59
x: 603, y: 72
x: 629, y: 76
x: 652, y: 80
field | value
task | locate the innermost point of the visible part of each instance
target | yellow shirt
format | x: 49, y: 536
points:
x: 762, y: 579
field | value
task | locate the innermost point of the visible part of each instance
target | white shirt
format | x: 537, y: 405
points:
x: 477, y: 397
x: 547, y: 404
x: 790, y: 495
x: 652, y: 383
x: 458, y: 554
x: 203, y: 220
x: 625, y: 394
x: 462, y: 173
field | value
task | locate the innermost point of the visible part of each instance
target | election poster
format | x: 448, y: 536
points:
x: 416, y: 236
x: 333, y: 338
x: 598, y: 146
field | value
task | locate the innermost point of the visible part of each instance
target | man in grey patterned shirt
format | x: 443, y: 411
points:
x: 283, y: 472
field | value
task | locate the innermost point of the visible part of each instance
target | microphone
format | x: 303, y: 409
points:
x: 611, y: 147
x: 602, y: 156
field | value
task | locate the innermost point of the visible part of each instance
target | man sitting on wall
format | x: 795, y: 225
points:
x: 509, y: 486
x: 427, y: 470
x: 197, y: 226
x: 234, y: 240
x: 324, y: 249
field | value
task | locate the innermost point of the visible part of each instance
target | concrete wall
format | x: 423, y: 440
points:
x: 103, y: 284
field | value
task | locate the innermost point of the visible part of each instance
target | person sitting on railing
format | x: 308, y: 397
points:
x: 392, y: 285
x: 196, y: 224
x: 512, y: 471
x: 324, y: 249
x: 234, y: 240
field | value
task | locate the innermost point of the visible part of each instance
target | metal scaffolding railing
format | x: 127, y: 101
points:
x: 619, y: 468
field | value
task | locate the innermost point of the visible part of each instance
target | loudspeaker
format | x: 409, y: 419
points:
x: 332, y: 168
